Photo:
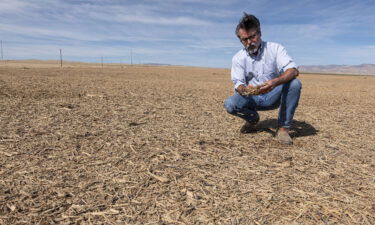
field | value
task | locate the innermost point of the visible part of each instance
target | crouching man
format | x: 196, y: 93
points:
x: 264, y: 78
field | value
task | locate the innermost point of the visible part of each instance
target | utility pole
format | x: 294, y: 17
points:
x: 102, y: 61
x: 2, y: 56
x: 131, y: 57
x: 60, y: 58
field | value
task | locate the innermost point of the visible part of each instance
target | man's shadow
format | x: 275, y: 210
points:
x: 298, y: 129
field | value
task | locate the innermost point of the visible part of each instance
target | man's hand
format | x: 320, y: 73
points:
x: 241, y: 89
x: 249, y: 90
x: 287, y: 76
x: 268, y: 86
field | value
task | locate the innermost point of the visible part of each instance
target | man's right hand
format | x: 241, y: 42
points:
x: 241, y: 89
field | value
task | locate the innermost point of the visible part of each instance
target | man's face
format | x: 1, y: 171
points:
x: 250, y: 39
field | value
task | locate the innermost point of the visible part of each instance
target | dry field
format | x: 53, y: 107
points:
x: 154, y: 145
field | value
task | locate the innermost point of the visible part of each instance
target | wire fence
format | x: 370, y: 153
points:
x: 103, y: 60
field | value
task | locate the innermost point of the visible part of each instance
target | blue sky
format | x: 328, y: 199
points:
x: 185, y: 32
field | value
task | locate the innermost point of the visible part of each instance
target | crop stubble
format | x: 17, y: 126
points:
x: 140, y: 145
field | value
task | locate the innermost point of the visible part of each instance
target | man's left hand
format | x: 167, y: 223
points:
x: 269, y: 85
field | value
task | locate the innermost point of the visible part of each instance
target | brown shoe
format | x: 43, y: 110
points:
x: 282, y: 135
x: 248, y: 128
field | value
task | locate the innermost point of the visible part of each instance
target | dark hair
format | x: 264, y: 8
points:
x: 248, y: 22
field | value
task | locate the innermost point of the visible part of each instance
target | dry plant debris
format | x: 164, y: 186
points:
x: 252, y: 90
x: 153, y: 145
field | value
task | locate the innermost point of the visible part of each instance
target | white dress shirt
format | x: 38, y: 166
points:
x: 271, y: 61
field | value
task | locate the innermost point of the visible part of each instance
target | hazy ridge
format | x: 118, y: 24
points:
x: 363, y: 69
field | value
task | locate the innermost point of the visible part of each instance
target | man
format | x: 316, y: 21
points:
x: 268, y: 68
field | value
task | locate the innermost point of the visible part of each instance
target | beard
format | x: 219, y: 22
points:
x: 252, y: 48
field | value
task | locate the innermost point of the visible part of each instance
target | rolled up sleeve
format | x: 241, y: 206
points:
x: 283, y: 60
x: 237, y: 73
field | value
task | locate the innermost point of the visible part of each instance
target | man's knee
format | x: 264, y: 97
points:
x: 295, y: 84
x: 229, y: 106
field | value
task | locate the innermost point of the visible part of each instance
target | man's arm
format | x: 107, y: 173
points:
x: 238, y: 74
x: 285, y: 77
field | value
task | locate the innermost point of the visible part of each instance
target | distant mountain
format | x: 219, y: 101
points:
x: 363, y: 69
x: 156, y: 64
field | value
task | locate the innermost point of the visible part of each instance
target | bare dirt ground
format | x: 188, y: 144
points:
x: 154, y: 145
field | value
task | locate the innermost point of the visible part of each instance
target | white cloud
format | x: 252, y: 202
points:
x: 14, y: 6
